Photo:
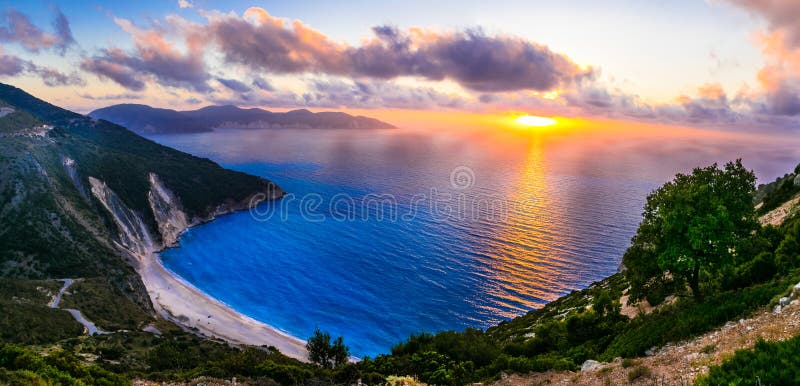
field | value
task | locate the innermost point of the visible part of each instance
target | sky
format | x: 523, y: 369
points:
x: 729, y: 64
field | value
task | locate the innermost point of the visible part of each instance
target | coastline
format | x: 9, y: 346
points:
x: 184, y: 304
x: 172, y: 297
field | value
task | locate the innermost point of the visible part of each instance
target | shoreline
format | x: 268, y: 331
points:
x: 179, y: 301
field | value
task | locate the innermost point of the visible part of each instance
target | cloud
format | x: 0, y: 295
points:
x: 106, y: 66
x: 780, y: 77
x: 52, y: 77
x: 110, y: 97
x: 234, y: 85
x: 153, y: 57
x: 16, y: 27
x: 11, y: 65
x: 781, y: 15
x: 471, y: 58
x: 262, y: 84
x: 185, y: 4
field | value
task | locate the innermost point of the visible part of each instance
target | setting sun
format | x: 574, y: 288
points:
x: 532, y: 120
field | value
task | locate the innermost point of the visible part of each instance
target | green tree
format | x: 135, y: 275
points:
x: 325, y: 354
x: 691, y: 228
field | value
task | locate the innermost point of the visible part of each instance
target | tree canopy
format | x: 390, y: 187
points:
x: 324, y: 353
x: 690, y: 230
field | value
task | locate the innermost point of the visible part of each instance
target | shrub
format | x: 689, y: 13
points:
x: 628, y: 362
x: 638, y: 372
x: 773, y: 363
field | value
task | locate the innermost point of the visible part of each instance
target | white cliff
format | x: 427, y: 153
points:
x: 167, y: 210
x: 173, y: 298
x: 133, y: 234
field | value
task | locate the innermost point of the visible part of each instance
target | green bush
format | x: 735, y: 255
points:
x: 773, y: 363
x: 686, y: 318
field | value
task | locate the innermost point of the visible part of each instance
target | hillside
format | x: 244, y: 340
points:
x: 148, y: 120
x: 76, y: 192
x: 89, y: 202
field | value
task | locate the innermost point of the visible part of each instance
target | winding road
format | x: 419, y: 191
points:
x: 90, y: 327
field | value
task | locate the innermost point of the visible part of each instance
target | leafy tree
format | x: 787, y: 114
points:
x: 691, y: 228
x: 325, y: 354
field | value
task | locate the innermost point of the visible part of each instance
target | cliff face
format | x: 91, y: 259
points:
x: 80, y: 197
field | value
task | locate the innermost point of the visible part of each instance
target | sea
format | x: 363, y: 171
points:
x: 388, y: 233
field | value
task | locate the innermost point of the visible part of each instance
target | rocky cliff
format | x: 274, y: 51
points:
x: 79, y: 197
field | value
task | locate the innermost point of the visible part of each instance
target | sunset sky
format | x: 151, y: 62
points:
x: 732, y: 64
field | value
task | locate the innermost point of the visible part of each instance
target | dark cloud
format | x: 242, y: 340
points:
x: 781, y: 15
x: 52, y: 77
x: 234, y: 85
x: 784, y: 98
x: 63, y: 31
x: 152, y: 58
x: 104, y: 66
x: 16, y: 27
x: 263, y: 84
x: 11, y: 65
x: 472, y: 58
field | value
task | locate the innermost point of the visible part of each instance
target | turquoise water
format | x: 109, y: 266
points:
x: 475, y: 228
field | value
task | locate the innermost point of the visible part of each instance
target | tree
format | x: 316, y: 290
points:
x: 325, y: 354
x: 691, y: 228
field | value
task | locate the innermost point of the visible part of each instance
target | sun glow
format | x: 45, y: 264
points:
x: 534, y: 121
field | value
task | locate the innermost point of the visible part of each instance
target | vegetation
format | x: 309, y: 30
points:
x: 768, y: 363
x: 20, y: 366
x: 105, y: 305
x: 698, y: 237
x: 326, y: 354
x: 25, y: 317
x: 776, y: 193
x: 691, y: 227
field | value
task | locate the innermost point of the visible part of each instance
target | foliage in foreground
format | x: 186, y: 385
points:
x: 20, y: 366
x: 768, y: 363
x: 691, y: 228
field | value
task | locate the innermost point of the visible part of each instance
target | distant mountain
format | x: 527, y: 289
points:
x: 148, y: 120
x: 80, y: 197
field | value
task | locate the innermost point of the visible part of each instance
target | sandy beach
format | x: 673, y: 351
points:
x: 180, y: 302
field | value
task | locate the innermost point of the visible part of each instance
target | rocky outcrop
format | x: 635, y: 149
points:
x: 71, y: 167
x: 167, y: 210
x: 132, y: 232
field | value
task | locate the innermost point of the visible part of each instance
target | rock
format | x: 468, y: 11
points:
x: 784, y: 301
x: 794, y: 302
x: 796, y: 181
x: 777, y: 309
x: 618, y: 360
x: 796, y: 290
x: 590, y: 365
x: 652, y: 351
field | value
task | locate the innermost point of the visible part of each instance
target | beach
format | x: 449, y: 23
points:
x: 178, y: 301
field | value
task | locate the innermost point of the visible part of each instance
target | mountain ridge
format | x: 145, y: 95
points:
x: 146, y: 119
x: 66, y: 181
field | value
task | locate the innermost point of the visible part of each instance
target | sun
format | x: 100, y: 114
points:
x: 534, y: 121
